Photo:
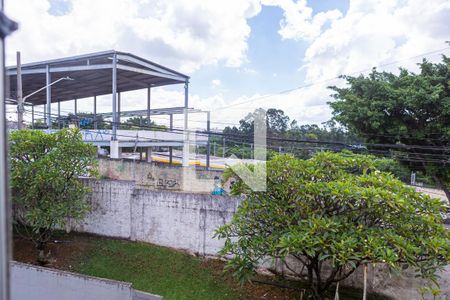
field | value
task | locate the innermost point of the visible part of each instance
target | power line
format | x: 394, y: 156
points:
x: 318, y: 148
x: 327, y: 80
x: 246, y: 137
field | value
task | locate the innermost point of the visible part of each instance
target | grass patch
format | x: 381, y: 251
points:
x: 154, y: 269
x: 160, y: 270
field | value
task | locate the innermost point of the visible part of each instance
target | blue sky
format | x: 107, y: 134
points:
x: 237, y: 50
x: 272, y: 65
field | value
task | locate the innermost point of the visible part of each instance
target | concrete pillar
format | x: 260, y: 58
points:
x: 149, y: 154
x: 115, y: 149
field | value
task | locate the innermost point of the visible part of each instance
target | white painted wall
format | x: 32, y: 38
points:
x: 38, y: 283
x: 178, y: 220
x: 187, y: 221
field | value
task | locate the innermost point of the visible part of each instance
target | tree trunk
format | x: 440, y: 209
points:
x: 440, y: 183
x: 40, y: 246
x: 314, y: 286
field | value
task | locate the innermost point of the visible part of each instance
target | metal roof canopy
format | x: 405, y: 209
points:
x: 102, y: 73
x: 153, y: 112
x: 92, y: 74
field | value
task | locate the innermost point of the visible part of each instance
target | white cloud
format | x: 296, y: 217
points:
x: 371, y: 33
x: 298, y: 104
x: 187, y: 35
x: 216, y: 82
x: 299, y: 21
x: 184, y: 34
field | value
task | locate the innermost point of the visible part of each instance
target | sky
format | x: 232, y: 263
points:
x: 240, y: 54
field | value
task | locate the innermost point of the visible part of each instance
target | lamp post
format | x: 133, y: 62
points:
x: 20, y: 104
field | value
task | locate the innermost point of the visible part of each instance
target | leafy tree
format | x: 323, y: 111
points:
x: 84, y: 120
x: 407, y: 115
x: 331, y: 214
x: 140, y: 123
x: 280, y: 127
x: 277, y: 121
x: 46, y: 190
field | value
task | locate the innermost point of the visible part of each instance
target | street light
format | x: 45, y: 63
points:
x: 20, y: 108
x: 44, y: 87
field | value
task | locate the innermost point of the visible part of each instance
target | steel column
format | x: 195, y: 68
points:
x: 45, y: 113
x: 19, y: 93
x: 114, y: 95
x: 75, y: 107
x: 59, y: 114
x: 186, y: 94
x: 148, y: 105
x: 32, y: 117
x: 49, y: 97
x: 185, y: 127
x: 208, y: 145
x: 170, y: 147
x: 118, y: 109
x: 95, y: 112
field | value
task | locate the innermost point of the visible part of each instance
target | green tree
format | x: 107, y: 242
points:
x: 46, y: 190
x: 331, y: 214
x: 406, y: 115
x: 141, y: 123
x: 280, y: 127
x: 85, y: 120
x: 277, y: 121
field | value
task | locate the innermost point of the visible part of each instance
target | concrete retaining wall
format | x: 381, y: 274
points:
x: 187, y: 221
x: 178, y: 220
x: 159, y: 177
x: 38, y: 283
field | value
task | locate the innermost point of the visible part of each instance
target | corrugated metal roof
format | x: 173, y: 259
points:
x: 92, y: 74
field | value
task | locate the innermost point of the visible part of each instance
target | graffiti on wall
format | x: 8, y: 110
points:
x: 96, y: 135
x: 155, y: 177
x: 163, y: 183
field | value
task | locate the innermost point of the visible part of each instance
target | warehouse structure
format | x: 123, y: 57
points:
x: 106, y: 73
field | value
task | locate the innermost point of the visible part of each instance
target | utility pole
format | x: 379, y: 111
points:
x: 223, y: 147
x: 208, y: 146
x: 19, y: 93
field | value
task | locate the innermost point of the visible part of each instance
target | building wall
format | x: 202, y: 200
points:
x: 38, y: 283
